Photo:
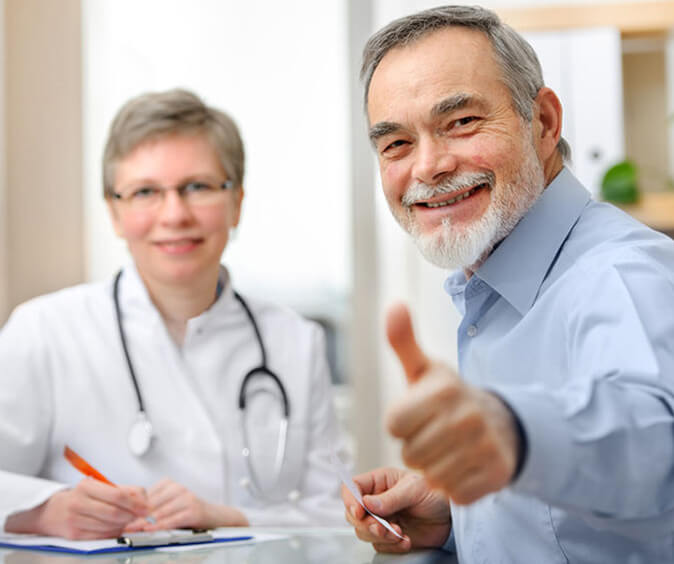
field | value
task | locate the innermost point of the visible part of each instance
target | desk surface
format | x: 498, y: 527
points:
x: 310, y: 546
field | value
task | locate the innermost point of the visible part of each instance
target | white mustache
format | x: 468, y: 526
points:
x: 420, y: 191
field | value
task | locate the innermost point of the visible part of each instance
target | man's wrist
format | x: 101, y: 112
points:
x: 522, y: 444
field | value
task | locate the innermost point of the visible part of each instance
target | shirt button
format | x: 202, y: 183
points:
x: 471, y: 331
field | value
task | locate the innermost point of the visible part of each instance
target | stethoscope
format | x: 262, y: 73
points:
x: 141, y: 434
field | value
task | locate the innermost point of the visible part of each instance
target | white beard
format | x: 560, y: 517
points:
x: 467, y: 248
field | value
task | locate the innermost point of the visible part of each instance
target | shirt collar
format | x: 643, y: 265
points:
x: 518, y: 266
x: 134, y: 295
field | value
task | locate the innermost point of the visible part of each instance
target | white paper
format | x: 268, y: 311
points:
x: 345, y: 476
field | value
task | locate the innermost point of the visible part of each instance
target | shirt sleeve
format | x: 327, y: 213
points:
x: 601, y: 444
x: 25, y: 415
x: 318, y: 502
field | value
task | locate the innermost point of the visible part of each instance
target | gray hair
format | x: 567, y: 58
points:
x: 519, y: 64
x: 159, y: 114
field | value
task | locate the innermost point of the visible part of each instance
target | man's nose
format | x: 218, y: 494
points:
x: 174, y: 210
x: 433, y: 160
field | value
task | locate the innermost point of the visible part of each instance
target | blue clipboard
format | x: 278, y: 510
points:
x: 149, y: 542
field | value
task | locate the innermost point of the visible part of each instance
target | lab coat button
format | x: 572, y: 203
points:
x: 472, y: 331
x: 244, y: 482
x: 293, y: 495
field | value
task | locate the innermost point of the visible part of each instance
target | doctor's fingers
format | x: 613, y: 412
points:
x: 423, y: 401
x: 161, y: 486
x: 185, y: 503
x: 82, y: 527
x: 101, y: 511
x: 167, y: 493
x: 182, y: 519
x: 123, y: 498
x: 92, y: 520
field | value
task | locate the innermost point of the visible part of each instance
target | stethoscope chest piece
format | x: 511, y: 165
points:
x: 140, y: 435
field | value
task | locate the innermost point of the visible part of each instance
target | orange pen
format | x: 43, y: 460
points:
x: 88, y: 470
x: 83, y: 466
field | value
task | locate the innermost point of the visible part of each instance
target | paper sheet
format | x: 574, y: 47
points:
x: 345, y: 476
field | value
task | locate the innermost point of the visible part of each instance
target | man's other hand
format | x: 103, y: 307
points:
x: 404, y: 499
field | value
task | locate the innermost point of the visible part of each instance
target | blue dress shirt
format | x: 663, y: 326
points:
x: 571, y: 321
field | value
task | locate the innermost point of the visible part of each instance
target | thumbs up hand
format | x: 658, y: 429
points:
x: 462, y: 438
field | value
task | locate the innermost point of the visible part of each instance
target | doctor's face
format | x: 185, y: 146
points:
x: 180, y: 239
x: 458, y: 164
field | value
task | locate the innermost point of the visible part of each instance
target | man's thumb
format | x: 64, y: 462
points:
x: 401, y: 336
x: 398, y: 497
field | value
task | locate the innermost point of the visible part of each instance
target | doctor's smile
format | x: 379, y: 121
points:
x: 178, y: 246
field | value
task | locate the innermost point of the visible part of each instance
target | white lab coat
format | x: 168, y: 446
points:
x: 64, y: 380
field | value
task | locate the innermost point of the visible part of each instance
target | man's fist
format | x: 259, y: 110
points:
x: 462, y: 438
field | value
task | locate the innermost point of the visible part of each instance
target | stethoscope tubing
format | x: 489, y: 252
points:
x: 262, y: 369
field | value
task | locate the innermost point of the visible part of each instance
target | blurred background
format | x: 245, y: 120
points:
x: 316, y: 234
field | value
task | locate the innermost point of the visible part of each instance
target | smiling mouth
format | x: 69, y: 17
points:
x: 454, y: 200
x: 178, y: 242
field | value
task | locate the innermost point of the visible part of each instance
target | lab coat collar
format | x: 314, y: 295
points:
x: 135, y: 300
x: 518, y: 266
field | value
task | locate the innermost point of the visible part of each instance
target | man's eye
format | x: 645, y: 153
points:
x: 145, y: 192
x: 463, y: 121
x: 394, y: 145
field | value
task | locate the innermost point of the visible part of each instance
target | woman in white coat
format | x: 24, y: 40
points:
x: 173, y: 172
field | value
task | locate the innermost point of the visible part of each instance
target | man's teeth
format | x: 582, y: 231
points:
x: 453, y: 200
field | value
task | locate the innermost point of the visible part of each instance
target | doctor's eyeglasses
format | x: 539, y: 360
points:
x: 195, y: 193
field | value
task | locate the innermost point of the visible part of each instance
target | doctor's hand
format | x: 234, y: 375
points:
x: 91, y: 510
x: 173, y: 506
x: 462, y: 438
x: 404, y: 499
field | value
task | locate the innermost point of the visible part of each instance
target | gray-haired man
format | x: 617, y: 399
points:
x: 553, y: 443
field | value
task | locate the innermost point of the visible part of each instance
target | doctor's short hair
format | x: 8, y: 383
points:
x: 519, y: 64
x: 155, y: 115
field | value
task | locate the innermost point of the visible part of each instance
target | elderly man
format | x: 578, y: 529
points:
x: 554, y: 441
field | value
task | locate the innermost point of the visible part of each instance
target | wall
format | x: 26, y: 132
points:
x: 4, y: 274
x: 646, y: 110
x: 43, y: 210
x: 284, y: 82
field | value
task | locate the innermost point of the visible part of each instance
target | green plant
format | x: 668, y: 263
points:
x: 619, y: 184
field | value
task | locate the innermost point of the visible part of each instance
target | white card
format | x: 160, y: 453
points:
x: 345, y: 476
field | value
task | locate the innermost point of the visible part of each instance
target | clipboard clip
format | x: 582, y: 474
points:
x: 164, y: 538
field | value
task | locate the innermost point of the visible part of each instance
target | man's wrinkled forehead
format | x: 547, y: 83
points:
x: 465, y: 48
x: 457, y: 64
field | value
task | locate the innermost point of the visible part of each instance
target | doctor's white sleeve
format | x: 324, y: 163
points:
x: 25, y: 415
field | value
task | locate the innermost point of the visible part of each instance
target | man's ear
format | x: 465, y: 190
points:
x: 114, y: 217
x: 547, y: 122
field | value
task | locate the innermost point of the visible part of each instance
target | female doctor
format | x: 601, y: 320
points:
x: 144, y: 376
